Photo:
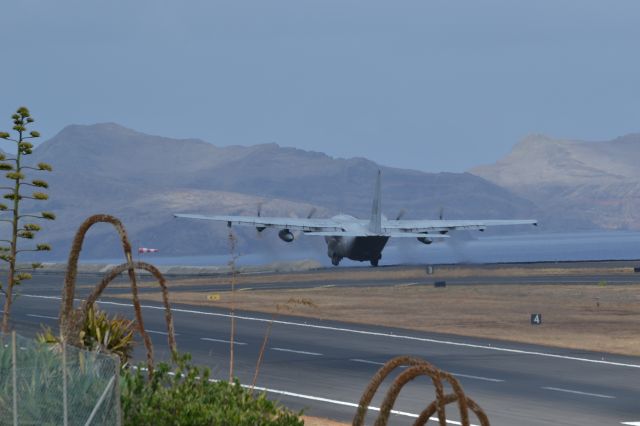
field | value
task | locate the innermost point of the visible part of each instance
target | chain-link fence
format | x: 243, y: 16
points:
x: 44, y: 384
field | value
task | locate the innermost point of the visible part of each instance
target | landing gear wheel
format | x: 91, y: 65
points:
x: 374, y: 263
x: 335, y: 260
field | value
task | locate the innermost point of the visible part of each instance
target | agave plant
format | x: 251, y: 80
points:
x: 103, y: 334
x: 114, y: 334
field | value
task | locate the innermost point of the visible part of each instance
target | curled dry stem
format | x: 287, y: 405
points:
x: 417, y: 368
x: 376, y: 381
x: 71, y: 320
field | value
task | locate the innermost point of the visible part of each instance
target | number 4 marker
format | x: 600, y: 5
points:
x: 536, y: 319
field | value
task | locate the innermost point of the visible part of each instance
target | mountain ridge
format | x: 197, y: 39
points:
x: 598, y: 182
x: 144, y: 179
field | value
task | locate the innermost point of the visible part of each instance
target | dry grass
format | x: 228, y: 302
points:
x: 317, y: 421
x: 400, y: 273
x: 587, y: 317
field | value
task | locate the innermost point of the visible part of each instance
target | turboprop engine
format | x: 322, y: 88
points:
x: 425, y: 240
x: 286, y: 235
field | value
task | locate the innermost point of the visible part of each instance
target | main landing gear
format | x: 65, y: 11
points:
x: 374, y: 262
x: 335, y: 260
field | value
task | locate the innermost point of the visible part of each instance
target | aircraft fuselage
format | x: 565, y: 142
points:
x: 355, y: 248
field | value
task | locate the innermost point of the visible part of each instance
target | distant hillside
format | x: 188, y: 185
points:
x: 143, y: 179
x: 596, y: 182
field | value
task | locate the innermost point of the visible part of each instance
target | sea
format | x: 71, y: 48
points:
x: 462, y: 247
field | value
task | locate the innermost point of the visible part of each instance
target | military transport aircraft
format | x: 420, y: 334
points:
x: 360, y: 239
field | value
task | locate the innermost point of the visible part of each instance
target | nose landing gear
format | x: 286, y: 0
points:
x: 335, y: 260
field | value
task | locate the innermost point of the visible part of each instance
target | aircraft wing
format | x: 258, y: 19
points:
x: 290, y: 223
x: 371, y: 234
x: 417, y: 226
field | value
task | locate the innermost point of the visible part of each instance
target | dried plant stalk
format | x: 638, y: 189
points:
x: 417, y: 368
x: 376, y: 380
x: 111, y: 275
x: 71, y: 320
x: 448, y: 399
x: 234, y: 273
x: 422, y: 369
x: 68, y: 321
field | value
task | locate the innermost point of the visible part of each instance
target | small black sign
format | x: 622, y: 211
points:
x: 636, y: 269
x: 536, y: 319
x: 440, y: 284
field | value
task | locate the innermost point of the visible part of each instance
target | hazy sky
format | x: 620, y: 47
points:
x: 430, y: 85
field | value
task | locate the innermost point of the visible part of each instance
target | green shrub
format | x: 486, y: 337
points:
x: 186, y: 396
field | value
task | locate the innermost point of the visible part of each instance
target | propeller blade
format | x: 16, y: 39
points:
x: 259, y: 229
x: 401, y: 214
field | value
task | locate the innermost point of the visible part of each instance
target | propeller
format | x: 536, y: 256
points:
x: 441, y: 217
x: 311, y: 213
x: 401, y: 214
x: 458, y: 241
x: 259, y: 229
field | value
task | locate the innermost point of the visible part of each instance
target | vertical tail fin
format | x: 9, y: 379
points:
x: 375, y: 224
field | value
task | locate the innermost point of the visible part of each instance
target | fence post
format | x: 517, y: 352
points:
x: 14, y: 373
x: 65, y: 408
x: 100, y: 401
x: 117, y: 392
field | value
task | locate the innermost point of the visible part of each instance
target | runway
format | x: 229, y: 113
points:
x: 323, y: 366
x: 51, y: 283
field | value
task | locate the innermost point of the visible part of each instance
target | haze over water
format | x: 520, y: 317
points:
x: 577, y: 246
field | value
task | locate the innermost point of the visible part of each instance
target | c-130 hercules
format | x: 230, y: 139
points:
x: 360, y: 239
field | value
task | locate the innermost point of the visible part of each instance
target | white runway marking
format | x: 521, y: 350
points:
x: 296, y: 352
x: 407, y: 284
x: 597, y: 395
x: 364, y: 361
x: 208, y: 339
x: 486, y: 379
x: 164, y: 333
x: 630, y: 423
x: 42, y: 316
x: 368, y: 333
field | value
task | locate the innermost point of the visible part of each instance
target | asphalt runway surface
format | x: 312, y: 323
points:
x: 51, y: 283
x: 323, y: 366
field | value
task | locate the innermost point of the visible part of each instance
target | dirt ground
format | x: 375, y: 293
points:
x: 316, y: 421
x: 409, y: 273
x: 589, y: 317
